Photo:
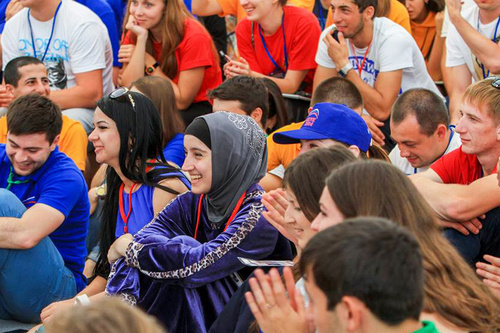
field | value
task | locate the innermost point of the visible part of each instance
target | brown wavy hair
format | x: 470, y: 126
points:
x: 160, y: 91
x: 452, y: 289
x: 172, y: 23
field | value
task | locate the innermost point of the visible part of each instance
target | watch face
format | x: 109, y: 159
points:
x: 101, y: 191
x: 150, y: 70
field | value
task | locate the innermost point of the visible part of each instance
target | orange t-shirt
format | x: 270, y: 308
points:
x: 233, y: 7
x: 73, y: 141
x: 398, y: 14
x: 278, y: 154
x: 424, y: 34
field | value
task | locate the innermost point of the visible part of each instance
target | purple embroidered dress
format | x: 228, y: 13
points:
x: 186, y: 282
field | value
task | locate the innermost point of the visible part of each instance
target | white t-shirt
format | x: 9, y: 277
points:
x: 392, y: 48
x: 457, y: 51
x: 80, y: 44
x: 402, y: 163
x: 466, y: 4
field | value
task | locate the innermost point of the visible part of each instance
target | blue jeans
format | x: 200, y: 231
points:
x: 30, y: 279
x: 474, y: 247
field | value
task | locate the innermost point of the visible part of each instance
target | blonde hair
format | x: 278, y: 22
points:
x: 109, y: 315
x: 484, y: 95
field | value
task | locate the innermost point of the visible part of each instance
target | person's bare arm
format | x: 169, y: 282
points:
x: 24, y: 233
x: 461, y: 78
x: 85, y: 94
x: 288, y: 85
x: 454, y: 202
x: 482, y: 47
x: 206, y: 7
x: 378, y: 99
x: 161, y: 198
x: 434, y: 63
x: 95, y: 290
x: 270, y: 182
x: 322, y: 74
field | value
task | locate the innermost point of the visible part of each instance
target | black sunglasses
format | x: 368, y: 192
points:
x: 120, y: 93
x: 496, y: 83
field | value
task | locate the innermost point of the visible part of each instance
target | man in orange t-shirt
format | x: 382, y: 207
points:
x: 27, y: 75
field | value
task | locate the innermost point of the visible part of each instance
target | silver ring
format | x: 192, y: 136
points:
x: 269, y: 305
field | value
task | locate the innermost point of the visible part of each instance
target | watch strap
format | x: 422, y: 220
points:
x: 344, y: 70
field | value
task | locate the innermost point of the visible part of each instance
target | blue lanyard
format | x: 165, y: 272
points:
x: 322, y: 21
x: 284, y: 47
x: 51, y: 33
x: 452, y: 130
x: 487, y: 73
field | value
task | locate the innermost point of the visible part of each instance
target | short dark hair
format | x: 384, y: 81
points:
x: 337, y: 90
x: 11, y: 73
x: 371, y: 259
x: 249, y: 91
x: 435, y: 5
x: 425, y: 105
x: 32, y: 114
x: 363, y: 4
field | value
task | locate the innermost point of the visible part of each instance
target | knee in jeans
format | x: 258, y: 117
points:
x: 10, y: 206
x: 6, y: 196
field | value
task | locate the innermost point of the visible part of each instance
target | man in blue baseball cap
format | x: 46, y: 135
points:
x: 328, y: 124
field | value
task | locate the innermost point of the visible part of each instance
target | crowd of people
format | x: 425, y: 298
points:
x: 338, y: 170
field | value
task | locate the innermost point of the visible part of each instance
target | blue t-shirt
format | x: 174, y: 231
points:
x: 58, y: 183
x: 119, y: 8
x: 102, y: 9
x: 3, y: 7
x: 174, y: 151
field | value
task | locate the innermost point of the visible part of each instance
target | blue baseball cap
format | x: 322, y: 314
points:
x: 330, y: 121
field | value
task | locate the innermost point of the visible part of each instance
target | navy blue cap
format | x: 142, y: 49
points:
x: 330, y: 121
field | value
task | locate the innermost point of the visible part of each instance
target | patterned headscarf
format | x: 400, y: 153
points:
x: 239, y: 159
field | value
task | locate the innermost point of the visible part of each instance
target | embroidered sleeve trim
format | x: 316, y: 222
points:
x: 235, y: 240
x: 132, y: 253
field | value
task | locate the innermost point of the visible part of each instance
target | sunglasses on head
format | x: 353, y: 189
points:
x: 120, y: 93
x: 496, y: 83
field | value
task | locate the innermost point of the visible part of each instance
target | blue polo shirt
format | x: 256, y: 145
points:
x: 58, y: 183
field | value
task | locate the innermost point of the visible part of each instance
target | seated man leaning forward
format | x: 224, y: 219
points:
x: 420, y: 126
x: 44, y: 211
x: 462, y: 185
x: 27, y: 75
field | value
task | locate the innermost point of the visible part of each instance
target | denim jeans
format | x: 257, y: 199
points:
x: 30, y: 279
x: 474, y: 247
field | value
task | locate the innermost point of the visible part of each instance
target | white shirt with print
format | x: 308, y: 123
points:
x: 79, y: 44
x: 392, y: 48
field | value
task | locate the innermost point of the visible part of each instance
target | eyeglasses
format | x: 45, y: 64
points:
x: 496, y: 83
x: 121, y: 93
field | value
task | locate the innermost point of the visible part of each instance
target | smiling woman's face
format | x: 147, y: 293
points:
x: 198, y: 164
x: 297, y: 221
x: 329, y: 214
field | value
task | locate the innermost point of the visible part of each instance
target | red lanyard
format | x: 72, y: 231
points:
x: 233, y: 214
x: 122, y: 210
x: 360, y: 68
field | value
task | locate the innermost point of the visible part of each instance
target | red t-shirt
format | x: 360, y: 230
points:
x: 195, y: 50
x: 458, y: 167
x: 302, y: 34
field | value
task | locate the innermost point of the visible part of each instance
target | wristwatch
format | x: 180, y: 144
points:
x: 100, y: 191
x: 149, y: 70
x: 344, y: 70
x: 82, y: 300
